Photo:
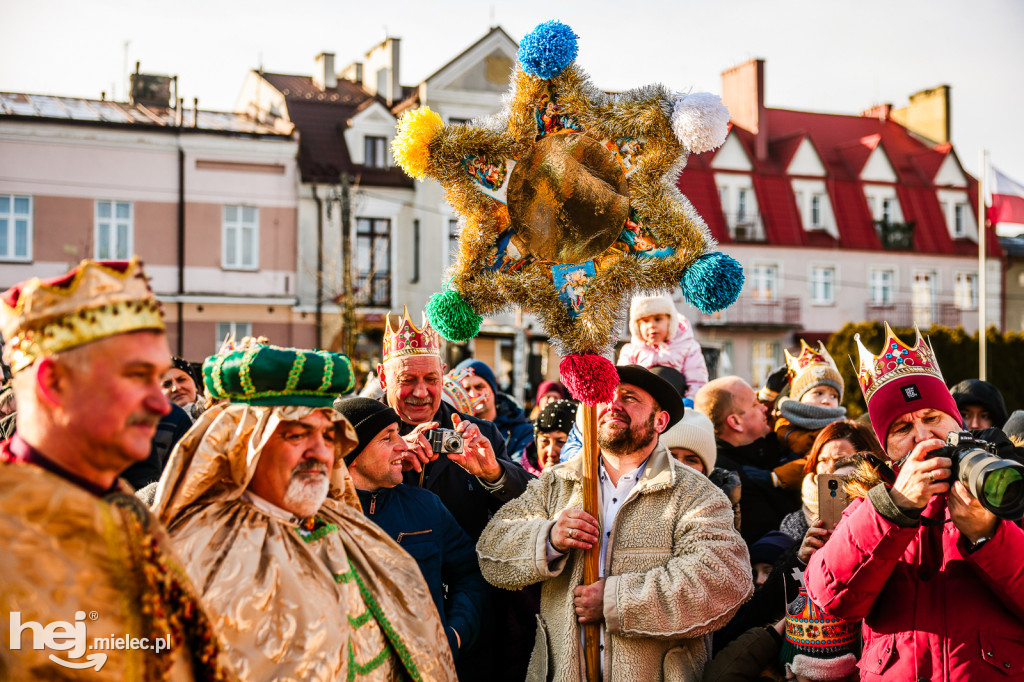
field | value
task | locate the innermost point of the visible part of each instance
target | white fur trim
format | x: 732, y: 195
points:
x: 700, y: 121
x: 824, y: 669
x: 645, y: 306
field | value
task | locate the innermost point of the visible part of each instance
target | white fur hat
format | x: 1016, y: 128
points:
x: 645, y: 306
x: 694, y: 432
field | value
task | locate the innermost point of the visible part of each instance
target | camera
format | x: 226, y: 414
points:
x: 445, y: 441
x: 995, y: 482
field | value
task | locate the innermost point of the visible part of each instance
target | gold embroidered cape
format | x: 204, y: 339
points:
x: 340, y: 602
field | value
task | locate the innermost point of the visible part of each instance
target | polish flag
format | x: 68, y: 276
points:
x: 1007, y: 199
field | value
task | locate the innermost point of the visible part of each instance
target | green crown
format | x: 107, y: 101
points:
x: 269, y: 375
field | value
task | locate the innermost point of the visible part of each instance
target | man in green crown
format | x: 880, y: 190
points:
x: 262, y: 510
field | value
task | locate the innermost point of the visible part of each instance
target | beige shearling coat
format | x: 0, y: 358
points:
x: 676, y: 571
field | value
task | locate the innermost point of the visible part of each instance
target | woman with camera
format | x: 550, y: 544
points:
x: 937, y: 578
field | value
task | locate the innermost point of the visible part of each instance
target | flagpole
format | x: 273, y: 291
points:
x: 982, y: 293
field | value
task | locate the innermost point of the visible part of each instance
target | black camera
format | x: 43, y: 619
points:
x: 995, y: 482
x: 445, y: 441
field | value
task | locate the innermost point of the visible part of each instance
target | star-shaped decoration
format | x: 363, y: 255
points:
x: 569, y: 200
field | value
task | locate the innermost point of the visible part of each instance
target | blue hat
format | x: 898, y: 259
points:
x: 770, y: 547
x: 479, y: 369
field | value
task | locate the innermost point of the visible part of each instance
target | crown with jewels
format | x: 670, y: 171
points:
x: 94, y: 300
x: 896, y: 360
x: 810, y: 368
x: 408, y: 340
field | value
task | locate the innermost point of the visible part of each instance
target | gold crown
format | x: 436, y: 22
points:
x: 95, y: 300
x: 408, y: 340
x: 897, y: 359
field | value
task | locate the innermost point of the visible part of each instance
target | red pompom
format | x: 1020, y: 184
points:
x: 590, y: 378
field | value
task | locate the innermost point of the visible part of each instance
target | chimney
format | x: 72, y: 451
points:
x: 743, y: 94
x: 324, y: 76
x: 879, y: 111
x: 381, y: 70
x: 928, y: 114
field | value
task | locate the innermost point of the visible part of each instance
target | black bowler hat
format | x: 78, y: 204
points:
x: 664, y: 393
x: 368, y: 417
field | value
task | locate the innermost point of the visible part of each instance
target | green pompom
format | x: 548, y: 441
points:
x: 452, y: 317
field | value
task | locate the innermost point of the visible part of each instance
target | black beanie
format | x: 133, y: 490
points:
x: 558, y: 415
x: 977, y: 392
x: 368, y: 417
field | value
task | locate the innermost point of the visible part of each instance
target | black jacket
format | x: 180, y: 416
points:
x: 762, y: 505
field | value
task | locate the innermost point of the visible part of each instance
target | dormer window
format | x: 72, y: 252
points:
x: 816, y: 217
x: 959, y: 224
x: 376, y: 152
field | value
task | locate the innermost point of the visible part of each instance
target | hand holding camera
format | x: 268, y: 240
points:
x: 922, y: 475
x: 477, y: 456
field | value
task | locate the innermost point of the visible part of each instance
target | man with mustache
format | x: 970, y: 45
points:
x: 87, y: 350
x: 673, y: 568
x: 259, y: 503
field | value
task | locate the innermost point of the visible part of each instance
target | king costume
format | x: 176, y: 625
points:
x: 330, y: 597
x: 95, y: 559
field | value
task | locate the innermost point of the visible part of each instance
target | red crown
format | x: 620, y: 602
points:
x: 408, y: 340
x: 897, y: 359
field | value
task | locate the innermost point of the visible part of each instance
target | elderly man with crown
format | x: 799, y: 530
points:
x: 264, y: 514
x: 937, y: 578
x: 84, y: 564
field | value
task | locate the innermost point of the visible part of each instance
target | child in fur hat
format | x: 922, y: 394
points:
x: 661, y: 336
x: 816, y: 390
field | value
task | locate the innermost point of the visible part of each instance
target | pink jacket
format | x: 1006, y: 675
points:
x: 931, y: 611
x: 682, y: 352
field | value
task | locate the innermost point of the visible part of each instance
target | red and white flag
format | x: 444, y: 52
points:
x: 1007, y: 199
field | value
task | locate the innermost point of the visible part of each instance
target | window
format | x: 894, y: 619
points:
x: 823, y: 284
x: 113, y: 230
x: 881, y: 285
x: 373, y: 255
x: 15, y: 227
x: 816, y: 216
x: 764, y: 359
x: 241, y: 238
x: 923, y: 297
x: 741, y: 205
x: 887, y: 215
x: 233, y: 330
x: 959, y: 223
x: 453, y: 240
x: 965, y: 292
x: 376, y: 154
x: 764, y: 282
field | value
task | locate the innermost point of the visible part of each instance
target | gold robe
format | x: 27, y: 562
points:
x: 342, y: 601
x: 67, y: 552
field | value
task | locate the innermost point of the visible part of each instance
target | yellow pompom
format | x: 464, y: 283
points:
x: 411, y: 147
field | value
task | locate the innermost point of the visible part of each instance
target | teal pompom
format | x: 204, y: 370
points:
x: 451, y: 316
x: 545, y: 51
x: 713, y: 282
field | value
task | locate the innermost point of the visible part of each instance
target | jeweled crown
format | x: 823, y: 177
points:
x: 408, y: 340
x: 809, y: 357
x: 94, y: 300
x: 897, y: 359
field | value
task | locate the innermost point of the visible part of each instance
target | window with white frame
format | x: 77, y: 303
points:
x: 965, y: 291
x: 453, y: 240
x: 817, y: 215
x: 959, y: 220
x: 373, y: 256
x: 881, y: 285
x: 240, y: 238
x: 15, y: 227
x: 764, y: 358
x: 764, y: 282
x: 232, y: 330
x: 922, y: 297
x: 823, y: 284
x: 887, y: 211
x: 376, y: 152
x: 114, y: 230
x: 741, y: 205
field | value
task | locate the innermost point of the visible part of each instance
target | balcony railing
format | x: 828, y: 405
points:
x: 745, y: 228
x: 906, y: 314
x: 895, y: 236
x: 747, y: 312
x: 373, y: 291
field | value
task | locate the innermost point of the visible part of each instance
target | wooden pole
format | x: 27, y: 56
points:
x: 591, y: 505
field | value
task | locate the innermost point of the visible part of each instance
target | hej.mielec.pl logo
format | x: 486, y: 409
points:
x: 72, y: 638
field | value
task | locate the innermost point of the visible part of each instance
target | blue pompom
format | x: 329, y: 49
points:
x: 548, y: 49
x: 713, y: 282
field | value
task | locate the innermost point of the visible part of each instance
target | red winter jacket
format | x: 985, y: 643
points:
x: 931, y: 610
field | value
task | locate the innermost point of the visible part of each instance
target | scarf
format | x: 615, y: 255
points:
x: 809, y: 417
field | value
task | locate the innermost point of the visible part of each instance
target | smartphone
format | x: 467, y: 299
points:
x: 832, y: 499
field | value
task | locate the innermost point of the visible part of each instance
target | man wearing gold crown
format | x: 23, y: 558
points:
x: 260, y: 505
x: 84, y: 565
x: 473, y: 484
x: 937, y: 578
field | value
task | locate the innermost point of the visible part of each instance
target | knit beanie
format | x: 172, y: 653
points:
x: 189, y: 369
x: 646, y: 306
x: 548, y: 387
x: 813, y: 367
x: 983, y: 394
x: 369, y: 418
x: 769, y: 547
x: 558, y: 415
x: 818, y: 646
x: 470, y: 366
x: 1014, y: 426
x: 696, y: 433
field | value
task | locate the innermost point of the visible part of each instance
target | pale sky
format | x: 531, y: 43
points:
x: 838, y: 56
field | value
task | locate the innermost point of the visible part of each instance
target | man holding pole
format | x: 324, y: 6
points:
x: 672, y: 566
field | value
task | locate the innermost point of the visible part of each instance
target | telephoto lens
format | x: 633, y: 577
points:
x: 995, y: 482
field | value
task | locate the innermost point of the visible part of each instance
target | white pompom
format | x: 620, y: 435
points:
x: 700, y: 121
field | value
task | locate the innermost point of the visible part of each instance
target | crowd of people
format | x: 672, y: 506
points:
x: 255, y: 517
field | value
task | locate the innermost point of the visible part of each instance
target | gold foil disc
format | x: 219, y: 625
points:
x: 568, y: 198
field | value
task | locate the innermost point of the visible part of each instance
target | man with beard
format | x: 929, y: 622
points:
x: 673, y: 568
x: 260, y: 505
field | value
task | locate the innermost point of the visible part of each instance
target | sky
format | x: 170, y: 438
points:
x: 836, y: 56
